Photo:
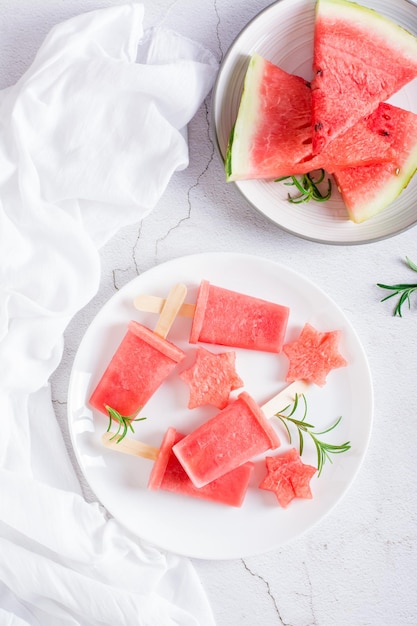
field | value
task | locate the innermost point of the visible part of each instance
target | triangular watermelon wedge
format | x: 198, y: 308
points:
x: 272, y: 136
x: 368, y: 189
x: 361, y: 58
x: 273, y: 125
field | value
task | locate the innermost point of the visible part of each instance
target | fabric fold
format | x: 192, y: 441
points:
x: 88, y: 144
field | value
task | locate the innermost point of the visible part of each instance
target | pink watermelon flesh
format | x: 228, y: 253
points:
x: 169, y: 475
x: 370, y: 137
x: 272, y: 136
x: 139, y: 366
x: 313, y: 355
x: 226, y: 441
x: 230, y: 318
x: 274, y: 463
x: 211, y: 378
x: 369, y: 189
x: 281, y: 486
x: 288, y: 477
x: 360, y: 59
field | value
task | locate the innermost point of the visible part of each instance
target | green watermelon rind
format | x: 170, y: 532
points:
x: 385, y: 194
x: 239, y: 139
x: 228, y: 158
x: 370, y: 19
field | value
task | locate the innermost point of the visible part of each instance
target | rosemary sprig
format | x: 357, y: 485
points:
x: 307, y: 187
x: 404, y: 290
x: 323, y: 449
x: 125, y: 422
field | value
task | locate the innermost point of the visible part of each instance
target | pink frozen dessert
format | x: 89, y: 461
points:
x: 142, y: 361
x: 230, y: 438
x: 229, y: 318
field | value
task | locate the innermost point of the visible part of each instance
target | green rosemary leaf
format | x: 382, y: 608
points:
x: 403, y: 290
x: 307, y: 186
x: 399, y: 287
x: 301, y: 424
x: 332, y: 427
x: 298, y: 199
x: 411, y: 265
x: 319, y: 179
x: 124, y: 422
x: 286, y: 427
x: 302, y: 186
x: 405, y: 297
x: 320, y: 457
x: 319, y: 196
x: 324, y: 450
x: 300, y: 441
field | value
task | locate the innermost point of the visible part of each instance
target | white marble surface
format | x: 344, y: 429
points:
x: 359, y: 565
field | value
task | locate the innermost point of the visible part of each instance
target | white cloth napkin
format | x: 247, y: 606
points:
x: 89, y: 139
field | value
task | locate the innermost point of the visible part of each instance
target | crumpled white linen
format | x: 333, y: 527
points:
x: 89, y: 139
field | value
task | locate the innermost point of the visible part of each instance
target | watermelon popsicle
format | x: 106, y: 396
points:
x: 232, y: 437
x: 229, y: 318
x: 168, y: 474
x: 142, y: 361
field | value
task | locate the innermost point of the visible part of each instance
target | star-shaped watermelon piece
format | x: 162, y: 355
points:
x: 288, y: 477
x: 313, y: 355
x: 211, y: 378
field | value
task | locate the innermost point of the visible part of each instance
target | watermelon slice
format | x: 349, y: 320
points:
x: 272, y: 136
x: 360, y: 59
x: 211, y: 378
x: 288, y: 477
x: 272, y: 128
x: 368, y: 189
x: 313, y: 355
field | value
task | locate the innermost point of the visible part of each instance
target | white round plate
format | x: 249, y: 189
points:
x: 283, y: 34
x: 194, y: 527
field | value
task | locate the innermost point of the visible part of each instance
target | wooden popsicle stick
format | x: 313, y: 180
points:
x: 170, y: 310
x: 130, y: 446
x: 284, y: 398
x: 155, y: 304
